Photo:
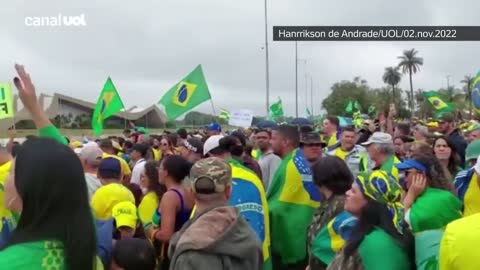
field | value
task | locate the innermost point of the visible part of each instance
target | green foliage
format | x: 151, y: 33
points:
x: 171, y: 124
x: 344, y: 91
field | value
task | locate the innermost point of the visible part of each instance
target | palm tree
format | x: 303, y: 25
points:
x: 392, y: 77
x: 410, y: 63
x: 468, y: 81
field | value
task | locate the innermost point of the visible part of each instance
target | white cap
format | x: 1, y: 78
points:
x: 378, y: 137
x: 211, y: 143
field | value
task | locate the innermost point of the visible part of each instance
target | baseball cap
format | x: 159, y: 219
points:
x: 311, y: 138
x: 210, y: 175
x: 473, y: 150
x: 125, y: 214
x: 214, y: 127
x: 411, y: 164
x: 92, y: 154
x: 446, y: 117
x: 378, y: 137
x: 211, y: 143
x: 194, y: 144
x: 110, y: 168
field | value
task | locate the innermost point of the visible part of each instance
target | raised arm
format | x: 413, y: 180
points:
x: 28, y: 96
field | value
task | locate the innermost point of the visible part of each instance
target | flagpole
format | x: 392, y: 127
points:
x: 213, y: 110
x: 267, y: 76
x: 311, y: 95
x: 296, y: 79
x: 306, y: 90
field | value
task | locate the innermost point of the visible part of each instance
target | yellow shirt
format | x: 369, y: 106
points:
x: 458, y: 249
x: 106, y: 197
x: 157, y: 155
x: 332, y: 140
x: 125, y: 168
x: 472, y: 198
x: 340, y: 153
x: 4, y: 171
x: 147, y: 207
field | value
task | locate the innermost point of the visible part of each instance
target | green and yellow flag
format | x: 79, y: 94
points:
x: 108, y: 104
x: 224, y: 114
x: 292, y: 199
x: 186, y: 95
x: 276, y: 110
x: 438, y: 103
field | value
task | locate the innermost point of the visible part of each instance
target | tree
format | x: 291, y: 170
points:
x: 343, y: 92
x: 410, y: 63
x: 392, y: 77
x: 467, y: 89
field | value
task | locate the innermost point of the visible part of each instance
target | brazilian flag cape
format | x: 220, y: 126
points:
x: 248, y: 195
x: 292, y: 199
x: 332, y: 238
x: 428, y: 216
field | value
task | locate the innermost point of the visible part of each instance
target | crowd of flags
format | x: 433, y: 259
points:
x: 193, y: 90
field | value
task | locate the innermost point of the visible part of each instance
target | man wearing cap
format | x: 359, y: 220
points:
x: 217, y: 235
x: 192, y: 149
x: 446, y: 125
x: 381, y: 152
x: 355, y: 156
x: 312, y: 146
x: 111, y: 192
x: 110, y: 152
x: 473, y: 133
x: 248, y: 193
x: 91, y: 156
x: 139, y: 151
x: 213, y: 129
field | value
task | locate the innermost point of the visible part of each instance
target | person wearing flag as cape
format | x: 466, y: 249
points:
x: 248, y: 194
x: 292, y: 199
x: 430, y: 204
x: 331, y: 224
x: 467, y: 183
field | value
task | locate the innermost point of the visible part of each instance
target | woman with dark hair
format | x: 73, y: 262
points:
x: 430, y: 204
x: 46, y: 185
x: 175, y: 205
x: 378, y: 240
x: 150, y: 182
x: 446, y: 153
x: 49, y: 191
x: 166, y: 147
x: 333, y: 178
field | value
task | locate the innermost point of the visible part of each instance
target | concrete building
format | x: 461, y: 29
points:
x: 68, y: 112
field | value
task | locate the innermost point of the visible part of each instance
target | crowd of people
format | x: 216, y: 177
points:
x: 388, y: 195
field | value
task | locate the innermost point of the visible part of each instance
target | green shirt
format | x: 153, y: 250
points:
x: 40, y: 255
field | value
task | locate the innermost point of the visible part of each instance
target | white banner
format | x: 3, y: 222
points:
x: 241, y: 118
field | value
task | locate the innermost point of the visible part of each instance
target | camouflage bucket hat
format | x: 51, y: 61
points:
x: 210, y: 175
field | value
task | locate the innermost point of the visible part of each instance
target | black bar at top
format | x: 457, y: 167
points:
x: 376, y: 33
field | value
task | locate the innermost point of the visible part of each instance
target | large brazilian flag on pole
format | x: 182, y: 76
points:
x: 186, y: 94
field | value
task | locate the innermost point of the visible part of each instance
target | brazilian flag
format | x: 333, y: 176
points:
x: 109, y: 103
x: 476, y: 93
x: 186, y: 95
x: 437, y: 103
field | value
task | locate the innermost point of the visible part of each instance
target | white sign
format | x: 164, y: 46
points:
x: 241, y: 118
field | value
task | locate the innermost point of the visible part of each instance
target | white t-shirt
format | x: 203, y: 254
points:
x: 137, y: 171
x: 92, y: 184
